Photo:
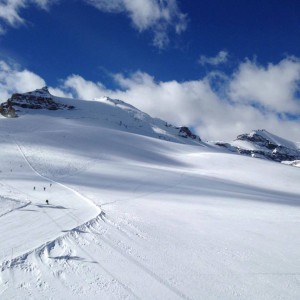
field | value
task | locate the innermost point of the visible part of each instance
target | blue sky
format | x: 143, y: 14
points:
x: 206, y: 57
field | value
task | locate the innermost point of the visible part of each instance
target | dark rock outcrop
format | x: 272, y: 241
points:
x: 186, y: 132
x: 7, y: 109
x: 38, y: 99
x: 264, y: 147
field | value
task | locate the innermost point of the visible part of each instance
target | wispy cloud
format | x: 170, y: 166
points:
x: 158, y: 16
x: 220, y: 58
x: 273, y: 87
x: 10, y: 11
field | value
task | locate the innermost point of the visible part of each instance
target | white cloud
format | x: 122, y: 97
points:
x: 44, y: 3
x: 10, y: 10
x: 273, y: 87
x: 220, y: 58
x: 12, y: 80
x: 83, y: 89
x: 58, y: 92
x: 110, y: 6
x: 159, y: 16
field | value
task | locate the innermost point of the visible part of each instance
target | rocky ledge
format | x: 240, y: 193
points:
x: 38, y: 99
x: 262, y: 144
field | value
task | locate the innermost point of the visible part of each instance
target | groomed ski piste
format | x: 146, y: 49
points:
x: 136, y: 212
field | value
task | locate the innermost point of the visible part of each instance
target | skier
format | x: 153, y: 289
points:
x: 44, y: 189
x: 47, y: 202
x: 34, y: 188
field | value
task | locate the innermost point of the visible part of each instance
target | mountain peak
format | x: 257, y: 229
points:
x: 42, y: 92
x: 263, y: 144
x: 264, y: 138
x: 37, y: 99
x: 104, y: 111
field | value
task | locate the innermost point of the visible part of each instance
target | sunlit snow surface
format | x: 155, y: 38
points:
x: 132, y: 215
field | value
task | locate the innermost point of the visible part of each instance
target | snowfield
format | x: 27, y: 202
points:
x: 137, y: 212
x: 295, y: 163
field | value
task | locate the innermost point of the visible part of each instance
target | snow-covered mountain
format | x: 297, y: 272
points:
x: 137, y: 209
x: 262, y: 144
x: 109, y: 112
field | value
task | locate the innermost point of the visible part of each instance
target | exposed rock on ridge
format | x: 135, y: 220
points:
x: 38, y: 99
x: 262, y: 144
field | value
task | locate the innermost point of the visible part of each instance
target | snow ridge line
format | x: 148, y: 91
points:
x: 90, y: 225
x: 10, y: 263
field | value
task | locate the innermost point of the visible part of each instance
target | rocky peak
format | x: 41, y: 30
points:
x: 186, y: 132
x: 37, y: 99
x: 262, y: 144
x: 258, y: 138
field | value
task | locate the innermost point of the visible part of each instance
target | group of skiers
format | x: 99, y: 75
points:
x: 47, y: 201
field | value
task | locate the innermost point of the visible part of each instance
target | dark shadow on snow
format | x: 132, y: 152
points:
x: 69, y: 257
x: 51, y: 206
x: 74, y: 230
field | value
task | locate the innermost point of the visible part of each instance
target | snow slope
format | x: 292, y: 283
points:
x: 295, y: 163
x: 132, y: 215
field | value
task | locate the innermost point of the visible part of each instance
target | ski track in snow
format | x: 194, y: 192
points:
x: 111, y: 245
x: 38, y: 260
x: 41, y: 253
x: 52, y: 181
x: 153, y: 275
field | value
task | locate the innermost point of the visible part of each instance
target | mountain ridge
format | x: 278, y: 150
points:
x: 119, y: 114
x: 263, y: 144
x: 123, y: 115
